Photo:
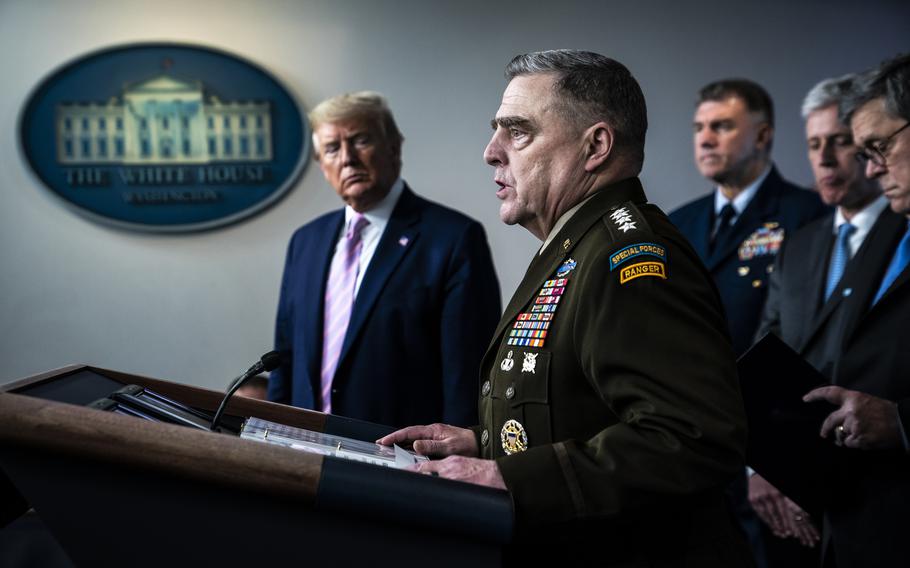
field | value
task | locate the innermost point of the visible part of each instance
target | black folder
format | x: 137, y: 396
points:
x: 784, y: 444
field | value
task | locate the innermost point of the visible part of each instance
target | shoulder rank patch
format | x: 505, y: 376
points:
x: 639, y: 269
x: 638, y: 249
x: 623, y: 219
x: 765, y: 241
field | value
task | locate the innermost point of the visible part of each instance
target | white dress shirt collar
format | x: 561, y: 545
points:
x: 863, y: 222
x: 741, y: 201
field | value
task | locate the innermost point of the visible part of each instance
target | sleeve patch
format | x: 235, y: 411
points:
x: 639, y: 269
x: 636, y: 250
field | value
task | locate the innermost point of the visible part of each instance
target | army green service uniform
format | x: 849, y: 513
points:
x: 609, y: 396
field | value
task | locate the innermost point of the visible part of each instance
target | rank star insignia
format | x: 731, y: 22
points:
x: 623, y: 219
x: 514, y: 438
x: 529, y: 365
x: 507, y: 363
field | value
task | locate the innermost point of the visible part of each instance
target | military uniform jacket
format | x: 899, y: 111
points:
x: 612, y: 382
x: 741, y: 263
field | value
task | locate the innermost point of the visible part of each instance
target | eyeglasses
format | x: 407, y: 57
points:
x: 876, y: 152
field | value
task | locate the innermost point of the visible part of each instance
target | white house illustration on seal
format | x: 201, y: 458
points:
x: 163, y: 121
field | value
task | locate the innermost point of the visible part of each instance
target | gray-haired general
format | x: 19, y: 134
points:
x: 387, y: 304
x: 805, y: 296
x: 611, y: 434
x: 866, y: 519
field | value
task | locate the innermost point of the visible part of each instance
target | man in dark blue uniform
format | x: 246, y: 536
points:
x: 738, y: 229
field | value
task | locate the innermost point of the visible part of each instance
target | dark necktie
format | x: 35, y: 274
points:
x: 725, y: 225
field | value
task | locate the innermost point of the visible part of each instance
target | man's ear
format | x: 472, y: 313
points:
x: 599, y: 140
x: 765, y: 136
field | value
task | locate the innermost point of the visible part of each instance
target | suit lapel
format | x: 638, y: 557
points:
x: 398, y: 238
x: 870, y: 269
x: 316, y: 274
x: 764, y: 204
x: 814, y: 267
x: 701, y: 238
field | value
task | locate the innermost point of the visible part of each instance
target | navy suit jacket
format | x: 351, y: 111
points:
x: 741, y: 263
x: 868, y: 517
x: 860, y: 347
x: 422, y: 319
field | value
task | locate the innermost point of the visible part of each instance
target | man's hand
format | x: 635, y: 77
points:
x: 784, y: 517
x: 863, y: 421
x: 472, y: 470
x: 435, y: 440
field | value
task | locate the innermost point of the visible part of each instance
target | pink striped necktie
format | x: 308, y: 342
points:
x: 339, y: 299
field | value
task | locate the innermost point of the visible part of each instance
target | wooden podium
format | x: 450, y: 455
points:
x: 120, y: 491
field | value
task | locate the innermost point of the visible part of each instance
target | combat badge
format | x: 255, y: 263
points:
x: 514, y: 438
x: 507, y: 363
x: 567, y: 267
x: 529, y: 365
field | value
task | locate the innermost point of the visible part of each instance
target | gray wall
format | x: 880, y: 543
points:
x: 199, y: 308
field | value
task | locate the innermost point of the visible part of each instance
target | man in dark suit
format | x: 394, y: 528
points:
x: 388, y: 304
x: 738, y: 229
x: 804, y: 295
x: 866, y: 518
x: 609, y: 408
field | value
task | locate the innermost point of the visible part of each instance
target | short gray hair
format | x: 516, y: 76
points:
x: 368, y: 105
x: 594, y: 88
x: 890, y: 80
x: 827, y: 93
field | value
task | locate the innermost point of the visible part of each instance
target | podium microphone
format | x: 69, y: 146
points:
x: 266, y: 363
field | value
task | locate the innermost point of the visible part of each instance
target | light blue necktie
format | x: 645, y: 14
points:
x: 840, y: 258
x: 899, y: 262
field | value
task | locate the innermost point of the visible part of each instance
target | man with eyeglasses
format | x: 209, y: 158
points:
x: 866, y: 522
x: 805, y: 295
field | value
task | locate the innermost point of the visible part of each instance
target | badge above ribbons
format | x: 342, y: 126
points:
x: 531, y: 328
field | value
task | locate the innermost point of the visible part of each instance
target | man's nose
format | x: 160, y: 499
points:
x: 826, y: 156
x: 349, y: 154
x: 705, y: 138
x: 493, y: 153
x: 874, y: 170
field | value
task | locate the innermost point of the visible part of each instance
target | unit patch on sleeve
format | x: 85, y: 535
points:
x: 639, y: 269
x: 639, y: 249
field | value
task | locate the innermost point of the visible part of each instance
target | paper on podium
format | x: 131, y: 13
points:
x: 784, y: 444
x: 327, y: 445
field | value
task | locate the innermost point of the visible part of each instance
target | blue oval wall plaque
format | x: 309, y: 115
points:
x: 164, y: 137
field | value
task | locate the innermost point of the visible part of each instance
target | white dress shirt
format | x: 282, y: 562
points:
x: 378, y: 217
